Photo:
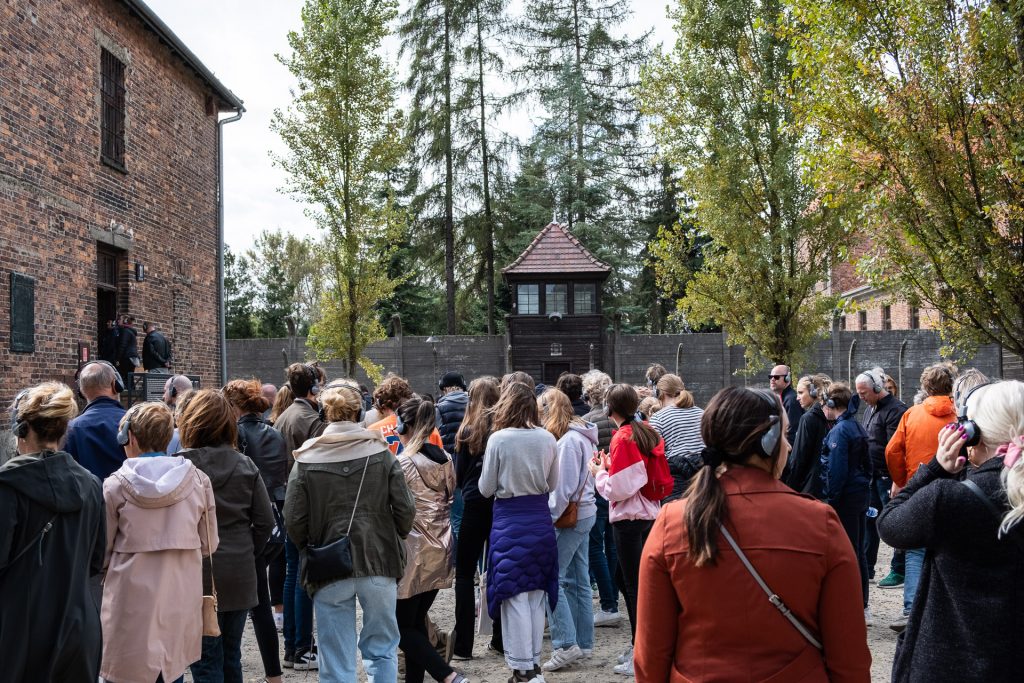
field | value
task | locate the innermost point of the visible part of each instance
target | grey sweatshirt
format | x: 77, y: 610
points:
x: 575, y: 449
x: 519, y: 462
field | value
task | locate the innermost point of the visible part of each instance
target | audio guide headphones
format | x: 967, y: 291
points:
x: 971, y: 429
x: 173, y: 391
x: 118, y: 381
x: 770, y: 439
x: 18, y: 427
x: 400, y: 426
x: 341, y: 384
x: 122, y: 432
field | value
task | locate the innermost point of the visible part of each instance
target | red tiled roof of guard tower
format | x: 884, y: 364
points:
x: 556, y: 250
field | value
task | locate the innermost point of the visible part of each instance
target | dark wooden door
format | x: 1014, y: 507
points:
x: 552, y: 371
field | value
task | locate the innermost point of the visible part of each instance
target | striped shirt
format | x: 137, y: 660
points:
x: 680, y: 428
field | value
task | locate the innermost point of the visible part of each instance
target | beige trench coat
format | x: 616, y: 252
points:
x: 157, y: 513
x: 428, y: 548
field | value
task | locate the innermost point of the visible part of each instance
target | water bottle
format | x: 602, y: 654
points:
x: 872, y: 513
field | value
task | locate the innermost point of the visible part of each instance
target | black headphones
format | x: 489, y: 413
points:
x: 18, y: 427
x: 314, y: 379
x: 877, y: 381
x: 122, y: 432
x: 118, y: 382
x: 173, y: 391
x: 971, y: 429
x: 812, y: 389
x: 769, y: 442
x: 341, y: 384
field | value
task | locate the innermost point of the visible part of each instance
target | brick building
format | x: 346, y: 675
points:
x: 110, y: 137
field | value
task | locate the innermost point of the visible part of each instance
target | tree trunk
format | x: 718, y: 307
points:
x: 485, y: 158
x: 578, y: 109
x: 449, y: 223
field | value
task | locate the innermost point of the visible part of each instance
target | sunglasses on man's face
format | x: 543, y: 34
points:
x: 776, y: 377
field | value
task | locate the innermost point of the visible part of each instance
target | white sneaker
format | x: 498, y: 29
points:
x: 602, y: 618
x: 562, y: 657
x: 626, y: 668
x: 626, y: 655
x: 307, y: 662
x: 588, y: 652
x: 869, y: 619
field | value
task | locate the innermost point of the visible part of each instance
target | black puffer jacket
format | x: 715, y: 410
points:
x: 972, y: 584
x: 881, y: 424
x: 804, y: 467
x: 451, y: 408
x: 266, y: 447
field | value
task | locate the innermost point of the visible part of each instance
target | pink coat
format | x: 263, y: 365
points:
x: 157, y: 514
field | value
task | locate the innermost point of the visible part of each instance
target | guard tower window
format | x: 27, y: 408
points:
x: 556, y: 299
x: 528, y: 299
x: 584, y: 298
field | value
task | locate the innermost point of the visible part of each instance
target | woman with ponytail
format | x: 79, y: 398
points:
x: 963, y: 508
x: 701, y: 614
x: 622, y: 478
x: 430, y: 476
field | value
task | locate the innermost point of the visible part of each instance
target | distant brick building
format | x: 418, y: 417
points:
x: 875, y: 309
x: 109, y: 187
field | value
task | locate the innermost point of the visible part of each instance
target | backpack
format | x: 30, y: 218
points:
x: 659, y: 478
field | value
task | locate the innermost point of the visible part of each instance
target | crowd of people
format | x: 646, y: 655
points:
x: 740, y: 536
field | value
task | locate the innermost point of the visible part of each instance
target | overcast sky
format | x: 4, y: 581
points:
x: 237, y: 40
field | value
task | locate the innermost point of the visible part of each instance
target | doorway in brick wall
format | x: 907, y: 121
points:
x: 107, y: 271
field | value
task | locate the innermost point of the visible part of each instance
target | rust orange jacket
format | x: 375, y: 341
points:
x: 917, y: 437
x: 715, y: 624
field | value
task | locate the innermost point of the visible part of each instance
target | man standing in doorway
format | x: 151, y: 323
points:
x: 127, y: 347
x: 156, y: 350
x: 781, y: 382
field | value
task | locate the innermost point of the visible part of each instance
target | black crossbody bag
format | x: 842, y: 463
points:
x: 333, y: 561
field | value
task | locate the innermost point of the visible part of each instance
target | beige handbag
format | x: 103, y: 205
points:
x: 211, y: 627
x: 567, y: 519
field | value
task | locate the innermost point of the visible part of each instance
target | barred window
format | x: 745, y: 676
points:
x: 555, y: 297
x: 112, y: 110
x: 886, y: 317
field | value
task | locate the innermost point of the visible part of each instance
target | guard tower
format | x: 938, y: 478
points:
x: 556, y: 321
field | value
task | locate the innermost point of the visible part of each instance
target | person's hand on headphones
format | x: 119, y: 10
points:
x: 951, y: 442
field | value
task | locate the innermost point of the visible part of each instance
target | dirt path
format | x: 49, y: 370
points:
x: 886, y: 606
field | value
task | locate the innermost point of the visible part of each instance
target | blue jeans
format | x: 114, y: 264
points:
x: 378, y: 640
x: 572, y: 621
x: 456, y: 517
x: 603, y: 560
x: 222, y: 656
x: 298, y: 608
x: 914, y: 562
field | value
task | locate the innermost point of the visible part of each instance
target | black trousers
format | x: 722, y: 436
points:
x: 630, y: 536
x: 263, y: 623
x: 852, y: 509
x: 420, y: 655
x: 476, y: 528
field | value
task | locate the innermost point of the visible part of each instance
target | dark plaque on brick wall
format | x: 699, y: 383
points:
x: 23, y: 313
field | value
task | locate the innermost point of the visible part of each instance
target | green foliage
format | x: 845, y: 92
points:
x: 344, y: 138
x: 288, y: 272
x: 725, y: 117
x: 239, y: 294
x: 920, y: 110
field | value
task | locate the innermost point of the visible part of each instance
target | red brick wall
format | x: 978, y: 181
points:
x: 55, y: 194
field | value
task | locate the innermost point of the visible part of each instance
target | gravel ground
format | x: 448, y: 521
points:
x: 886, y: 605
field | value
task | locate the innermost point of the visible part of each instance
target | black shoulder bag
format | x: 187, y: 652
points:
x: 983, y: 497
x: 333, y: 561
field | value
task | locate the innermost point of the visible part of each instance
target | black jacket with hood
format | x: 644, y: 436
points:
x: 49, y: 617
x: 244, y: 523
x: 804, y: 468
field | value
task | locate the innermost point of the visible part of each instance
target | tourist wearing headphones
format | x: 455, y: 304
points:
x: 392, y: 392
x: 265, y: 446
x: 175, y: 387
x: 346, y: 483
x: 964, y: 509
x: 622, y: 478
x: 881, y: 420
x: 803, y: 471
x: 244, y: 522
x: 158, y: 513
x: 429, y: 547
x: 846, y: 473
x: 298, y: 423
x: 92, y: 436
x: 701, y: 614
x: 520, y: 469
x: 781, y: 382
x: 678, y: 422
x: 911, y: 447
x: 52, y: 535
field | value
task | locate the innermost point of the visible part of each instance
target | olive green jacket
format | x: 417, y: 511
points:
x: 322, y: 491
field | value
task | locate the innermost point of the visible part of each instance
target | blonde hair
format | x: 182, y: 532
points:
x: 672, y: 386
x: 342, y: 401
x: 820, y: 381
x: 285, y: 397
x: 998, y: 410
x: 516, y: 407
x: 152, y: 424
x: 417, y: 415
x: 556, y: 410
x: 595, y: 385
x: 47, y: 408
x: 650, y: 405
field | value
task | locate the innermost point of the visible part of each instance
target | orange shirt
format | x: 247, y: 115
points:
x: 387, y: 428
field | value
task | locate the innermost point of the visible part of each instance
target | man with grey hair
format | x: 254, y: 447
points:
x: 174, y: 388
x: 92, y: 436
x: 880, y: 422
